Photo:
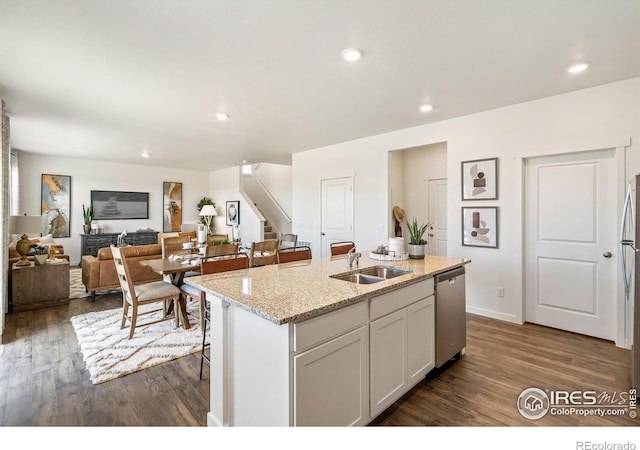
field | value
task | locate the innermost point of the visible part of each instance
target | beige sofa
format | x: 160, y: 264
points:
x: 99, y: 272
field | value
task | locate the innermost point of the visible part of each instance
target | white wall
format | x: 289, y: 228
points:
x: 225, y: 186
x: 603, y: 117
x: 88, y: 175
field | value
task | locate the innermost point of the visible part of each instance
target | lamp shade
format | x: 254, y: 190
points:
x: 208, y: 210
x: 25, y: 224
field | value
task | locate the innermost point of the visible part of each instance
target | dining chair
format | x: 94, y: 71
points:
x: 341, y: 248
x: 173, y: 244
x: 220, y: 250
x: 263, y: 253
x: 301, y: 253
x: 288, y: 240
x: 212, y: 238
x: 135, y: 296
x: 234, y: 261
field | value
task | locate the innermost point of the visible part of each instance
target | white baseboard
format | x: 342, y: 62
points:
x: 493, y: 314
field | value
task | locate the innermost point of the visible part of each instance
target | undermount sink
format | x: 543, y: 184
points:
x: 374, y: 274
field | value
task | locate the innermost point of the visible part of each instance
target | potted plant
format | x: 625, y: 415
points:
x: 40, y: 254
x: 88, y: 218
x: 416, y: 238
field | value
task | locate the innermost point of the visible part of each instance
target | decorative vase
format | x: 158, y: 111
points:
x: 87, y: 229
x: 416, y: 251
x: 40, y: 259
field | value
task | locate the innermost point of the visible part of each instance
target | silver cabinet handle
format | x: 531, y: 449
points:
x: 607, y: 254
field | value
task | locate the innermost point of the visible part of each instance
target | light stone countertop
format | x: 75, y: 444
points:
x: 291, y: 292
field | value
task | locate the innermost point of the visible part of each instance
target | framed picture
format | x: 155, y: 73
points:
x: 480, y: 226
x: 119, y: 205
x: 233, y: 213
x: 480, y: 179
x: 171, y: 206
x: 54, y: 205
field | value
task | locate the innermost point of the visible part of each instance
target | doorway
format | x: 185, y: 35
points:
x: 437, y: 233
x: 336, y: 212
x: 570, y: 242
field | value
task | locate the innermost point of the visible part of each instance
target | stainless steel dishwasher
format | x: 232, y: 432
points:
x: 451, y: 321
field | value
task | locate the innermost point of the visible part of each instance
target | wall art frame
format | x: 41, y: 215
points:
x: 480, y: 179
x: 171, y: 206
x: 120, y: 205
x: 232, y: 212
x: 480, y: 226
x: 55, y: 205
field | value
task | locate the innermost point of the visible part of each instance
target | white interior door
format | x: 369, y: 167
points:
x: 570, y: 238
x: 437, y: 233
x: 337, y: 211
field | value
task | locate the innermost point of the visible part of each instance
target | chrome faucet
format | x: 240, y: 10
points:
x: 352, y: 256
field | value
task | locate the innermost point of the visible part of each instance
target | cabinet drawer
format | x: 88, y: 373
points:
x: 327, y: 326
x: 404, y: 296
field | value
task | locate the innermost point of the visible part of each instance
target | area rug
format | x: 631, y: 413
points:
x: 109, y: 353
x: 76, y: 288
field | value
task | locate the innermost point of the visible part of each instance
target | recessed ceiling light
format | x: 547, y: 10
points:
x: 222, y: 116
x: 352, y: 54
x: 145, y: 154
x: 426, y: 107
x: 578, y: 67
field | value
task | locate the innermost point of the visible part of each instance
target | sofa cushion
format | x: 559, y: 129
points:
x: 131, y: 251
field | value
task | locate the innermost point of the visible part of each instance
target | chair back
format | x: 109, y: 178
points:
x: 191, y: 234
x: 341, y: 248
x: 263, y: 252
x: 294, y: 254
x: 221, y: 250
x: 238, y: 262
x: 288, y: 240
x: 122, y: 271
x: 211, y: 238
x: 173, y: 244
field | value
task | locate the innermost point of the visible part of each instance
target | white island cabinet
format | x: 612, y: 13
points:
x: 293, y: 346
x: 402, y: 342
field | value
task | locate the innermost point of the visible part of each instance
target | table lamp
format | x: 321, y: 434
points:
x: 207, y: 212
x: 26, y: 225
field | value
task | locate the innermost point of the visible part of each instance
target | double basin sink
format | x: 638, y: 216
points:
x: 374, y: 274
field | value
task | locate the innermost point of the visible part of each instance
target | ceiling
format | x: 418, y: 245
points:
x: 107, y: 79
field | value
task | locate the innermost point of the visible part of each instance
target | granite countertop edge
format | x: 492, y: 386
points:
x: 375, y: 290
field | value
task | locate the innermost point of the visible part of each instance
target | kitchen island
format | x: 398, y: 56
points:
x: 291, y: 345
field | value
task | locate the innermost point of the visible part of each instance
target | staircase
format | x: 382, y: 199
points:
x: 268, y: 232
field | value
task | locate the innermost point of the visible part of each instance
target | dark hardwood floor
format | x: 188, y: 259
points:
x: 43, y: 380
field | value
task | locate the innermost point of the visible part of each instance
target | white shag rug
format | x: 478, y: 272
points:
x: 109, y: 353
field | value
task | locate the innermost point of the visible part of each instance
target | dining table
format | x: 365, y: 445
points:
x: 175, y: 269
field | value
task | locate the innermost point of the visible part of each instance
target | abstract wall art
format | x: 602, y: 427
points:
x: 54, y: 206
x: 172, y: 206
x: 480, y: 226
x: 480, y: 179
x: 233, y: 213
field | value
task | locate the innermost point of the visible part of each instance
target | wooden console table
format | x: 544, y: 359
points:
x: 39, y: 286
x: 91, y: 243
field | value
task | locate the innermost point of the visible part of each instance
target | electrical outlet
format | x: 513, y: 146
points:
x: 500, y: 292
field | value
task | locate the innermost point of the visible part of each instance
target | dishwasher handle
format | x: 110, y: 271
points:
x: 449, y: 274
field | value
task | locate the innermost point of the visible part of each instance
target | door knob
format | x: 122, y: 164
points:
x: 607, y: 254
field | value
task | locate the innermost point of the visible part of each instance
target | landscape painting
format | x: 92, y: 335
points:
x: 118, y: 205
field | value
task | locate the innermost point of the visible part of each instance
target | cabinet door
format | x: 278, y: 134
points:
x: 388, y: 360
x: 420, y: 339
x: 331, y: 382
